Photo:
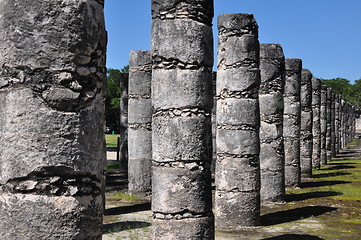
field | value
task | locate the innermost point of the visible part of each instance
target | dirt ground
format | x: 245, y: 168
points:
x: 327, y: 206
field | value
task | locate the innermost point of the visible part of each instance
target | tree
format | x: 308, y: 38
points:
x: 349, y: 92
x: 112, y: 97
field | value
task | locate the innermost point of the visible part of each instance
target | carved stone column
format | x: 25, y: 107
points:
x: 139, y: 123
x: 237, y: 198
x: 306, y: 143
x: 182, y: 98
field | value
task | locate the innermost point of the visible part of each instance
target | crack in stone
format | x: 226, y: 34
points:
x: 49, y: 181
x: 225, y: 33
x: 251, y: 64
x: 186, y: 10
x: 180, y: 215
x: 238, y: 127
x: 138, y: 96
x: 186, y: 164
x: 143, y: 68
x: 136, y: 126
x: 272, y: 119
x: 251, y: 93
x: 176, y: 112
x: 160, y: 62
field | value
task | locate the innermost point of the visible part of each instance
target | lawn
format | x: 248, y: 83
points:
x: 111, y: 140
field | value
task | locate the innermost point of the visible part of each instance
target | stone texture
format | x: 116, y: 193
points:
x: 237, y: 197
x: 139, y: 123
x: 333, y: 122
x: 316, y: 124
x: 52, y: 58
x: 328, y: 124
x: 306, y: 142
x: 182, y: 100
x: 272, y: 156
x: 123, y: 126
x: 292, y: 121
x: 323, y: 124
x: 337, y: 123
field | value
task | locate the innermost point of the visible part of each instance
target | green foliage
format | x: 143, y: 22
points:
x: 112, y: 97
x: 350, y: 92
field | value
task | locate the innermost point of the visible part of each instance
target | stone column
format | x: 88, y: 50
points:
x: 342, y: 124
x: 323, y: 124
x: 337, y: 123
x: 123, y: 128
x: 292, y: 121
x: 306, y: 142
x: 182, y: 98
x: 328, y: 124
x: 272, y: 158
x: 237, y: 198
x: 333, y: 120
x: 139, y: 123
x: 214, y: 124
x: 52, y: 151
x: 316, y: 125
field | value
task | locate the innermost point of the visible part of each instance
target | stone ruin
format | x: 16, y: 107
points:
x: 274, y: 121
x: 52, y: 76
x: 237, y: 170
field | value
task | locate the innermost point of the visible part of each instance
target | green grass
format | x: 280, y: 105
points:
x: 125, y: 197
x: 112, y: 166
x: 111, y: 140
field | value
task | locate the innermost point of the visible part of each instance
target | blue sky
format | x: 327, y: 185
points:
x: 325, y: 34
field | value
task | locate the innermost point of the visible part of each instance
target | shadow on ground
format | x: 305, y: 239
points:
x: 333, y: 174
x: 309, y: 195
x: 339, y: 167
x: 128, y: 209
x: 294, y: 237
x: 122, y: 226
x: 321, y: 183
x: 294, y: 215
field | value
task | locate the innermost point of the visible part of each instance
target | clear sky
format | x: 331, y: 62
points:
x: 325, y: 34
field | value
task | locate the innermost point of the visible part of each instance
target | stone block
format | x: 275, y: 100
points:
x: 177, y: 190
x: 242, y: 79
x: 238, y: 142
x: 232, y: 111
x: 228, y: 214
x: 139, y: 111
x: 229, y: 176
x: 183, y: 40
x: 181, y: 139
x: 188, y: 94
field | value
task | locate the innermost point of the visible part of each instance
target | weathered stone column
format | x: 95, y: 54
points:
x: 272, y: 158
x: 139, y: 123
x: 52, y: 151
x: 214, y: 124
x: 342, y: 124
x: 123, y: 128
x: 316, y: 125
x: 333, y: 117
x: 328, y: 124
x: 237, y: 198
x: 292, y: 121
x: 182, y: 98
x: 306, y: 142
x: 323, y: 124
x: 337, y: 123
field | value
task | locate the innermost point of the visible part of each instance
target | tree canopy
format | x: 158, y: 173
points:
x: 112, y: 97
x: 349, y: 92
